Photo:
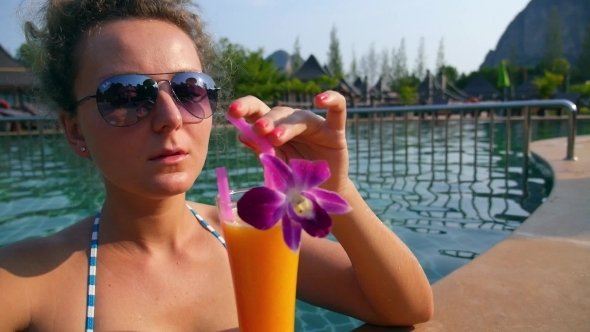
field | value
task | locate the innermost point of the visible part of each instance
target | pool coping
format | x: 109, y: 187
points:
x: 538, y: 278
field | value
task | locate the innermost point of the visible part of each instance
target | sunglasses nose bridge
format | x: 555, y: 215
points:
x: 160, y: 83
x: 169, y: 89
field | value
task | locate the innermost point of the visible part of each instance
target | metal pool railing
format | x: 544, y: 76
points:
x: 448, y: 111
x: 42, y: 126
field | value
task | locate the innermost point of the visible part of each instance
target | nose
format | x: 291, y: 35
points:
x: 166, y: 115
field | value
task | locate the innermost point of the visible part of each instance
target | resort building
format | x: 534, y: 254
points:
x: 16, y: 85
x: 482, y: 89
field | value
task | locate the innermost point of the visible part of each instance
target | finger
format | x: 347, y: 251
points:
x: 336, y: 105
x: 271, y: 120
x: 250, y: 144
x: 249, y: 107
x: 298, y: 123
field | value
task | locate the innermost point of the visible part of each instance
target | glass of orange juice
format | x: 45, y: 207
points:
x: 264, y: 273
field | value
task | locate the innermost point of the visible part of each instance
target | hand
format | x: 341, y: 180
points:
x: 301, y: 134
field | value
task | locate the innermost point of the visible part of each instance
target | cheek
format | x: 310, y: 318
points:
x: 103, y: 137
x: 200, y: 133
x: 110, y: 147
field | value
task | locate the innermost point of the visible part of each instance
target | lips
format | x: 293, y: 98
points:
x: 169, y: 155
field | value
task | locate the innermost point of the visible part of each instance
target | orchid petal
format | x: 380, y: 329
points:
x: 318, y: 224
x: 277, y: 172
x: 291, y: 233
x: 330, y: 201
x: 261, y: 207
x: 309, y: 174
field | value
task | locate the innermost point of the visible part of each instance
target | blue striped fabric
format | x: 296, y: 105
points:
x: 207, y: 226
x: 92, y: 264
x: 92, y: 276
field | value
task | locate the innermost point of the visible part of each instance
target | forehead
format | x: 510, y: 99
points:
x: 135, y: 46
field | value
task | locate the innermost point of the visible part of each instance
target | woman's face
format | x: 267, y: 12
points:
x: 161, y: 155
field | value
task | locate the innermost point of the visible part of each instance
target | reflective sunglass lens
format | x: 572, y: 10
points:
x: 192, y: 90
x: 124, y: 100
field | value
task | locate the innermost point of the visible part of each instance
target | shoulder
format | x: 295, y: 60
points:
x: 26, y: 266
x: 31, y: 256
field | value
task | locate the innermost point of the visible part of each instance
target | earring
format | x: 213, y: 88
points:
x: 83, y: 149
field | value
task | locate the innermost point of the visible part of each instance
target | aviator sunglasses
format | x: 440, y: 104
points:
x: 124, y: 100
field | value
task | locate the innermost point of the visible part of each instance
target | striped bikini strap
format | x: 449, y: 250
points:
x: 92, y: 276
x: 207, y: 226
x: 92, y: 264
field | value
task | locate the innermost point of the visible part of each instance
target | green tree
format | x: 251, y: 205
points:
x: 554, y: 41
x: 560, y: 66
x: 369, y: 64
x: 408, y: 95
x: 420, y: 64
x: 334, y: 56
x: 385, y: 71
x: 440, y: 55
x: 400, y: 68
x: 395, y: 64
x: 489, y: 73
x: 26, y: 53
x: 450, y: 72
x: 548, y: 84
x: 250, y: 73
x: 354, y: 70
x: 582, y: 89
x: 584, y: 57
x: 327, y: 82
x: 402, y: 59
x: 323, y: 83
x: 407, y: 88
x: 296, y: 59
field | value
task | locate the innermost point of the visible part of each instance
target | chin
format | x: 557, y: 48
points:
x: 168, y: 186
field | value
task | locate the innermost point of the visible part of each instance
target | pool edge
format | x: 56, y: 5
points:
x: 537, y: 278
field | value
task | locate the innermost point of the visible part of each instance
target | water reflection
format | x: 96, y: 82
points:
x: 449, y: 189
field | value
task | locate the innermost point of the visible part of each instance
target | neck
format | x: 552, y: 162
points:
x: 139, y: 223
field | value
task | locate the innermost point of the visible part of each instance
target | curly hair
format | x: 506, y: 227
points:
x: 65, y: 23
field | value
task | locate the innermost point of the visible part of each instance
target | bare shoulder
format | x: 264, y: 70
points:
x: 24, y: 267
x: 32, y: 256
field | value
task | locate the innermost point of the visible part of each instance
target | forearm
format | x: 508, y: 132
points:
x: 386, y: 270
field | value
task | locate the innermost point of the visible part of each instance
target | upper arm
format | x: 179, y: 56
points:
x: 326, y: 278
x: 15, y: 312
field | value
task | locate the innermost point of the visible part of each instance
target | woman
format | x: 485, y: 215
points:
x: 157, y: 267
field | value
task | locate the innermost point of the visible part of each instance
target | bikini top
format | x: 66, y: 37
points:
x: 92, y: 264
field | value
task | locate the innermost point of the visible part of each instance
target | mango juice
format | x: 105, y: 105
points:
x: 264, y: 272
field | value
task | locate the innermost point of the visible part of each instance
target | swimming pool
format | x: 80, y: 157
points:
x: 448, y: 202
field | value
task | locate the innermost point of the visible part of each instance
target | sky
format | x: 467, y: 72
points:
x: 470, y: 28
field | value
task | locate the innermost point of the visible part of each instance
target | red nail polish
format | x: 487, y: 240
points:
x: 322, y: 96
x: 278, y: 132
x: 262, y: 123
x: 234, y: 106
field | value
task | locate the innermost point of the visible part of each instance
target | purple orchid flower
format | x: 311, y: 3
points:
x: 294, y: 197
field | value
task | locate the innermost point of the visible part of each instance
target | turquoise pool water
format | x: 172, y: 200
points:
x: 448, y: 202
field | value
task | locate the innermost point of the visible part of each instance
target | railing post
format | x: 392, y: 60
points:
x: 526, y: 150
x: 571, y: 135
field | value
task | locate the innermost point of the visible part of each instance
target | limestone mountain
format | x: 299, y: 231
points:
x: 525, y: 39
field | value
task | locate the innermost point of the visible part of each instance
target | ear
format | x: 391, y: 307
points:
x: 74, y: 134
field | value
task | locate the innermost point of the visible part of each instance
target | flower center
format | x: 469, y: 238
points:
x: 302, y: 206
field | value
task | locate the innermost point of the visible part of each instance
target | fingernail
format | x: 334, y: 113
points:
x: 278, y: 132
x: 322, y: 96
x: 234, y: 106
x: 262, y: 123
